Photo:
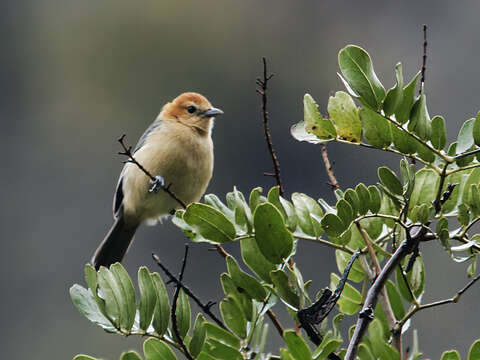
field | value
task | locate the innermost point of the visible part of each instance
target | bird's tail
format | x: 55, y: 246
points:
x: 115, y: 244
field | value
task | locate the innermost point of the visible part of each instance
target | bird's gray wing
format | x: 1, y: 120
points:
x: 118, y: 196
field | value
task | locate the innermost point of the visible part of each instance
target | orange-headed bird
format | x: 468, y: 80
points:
x: 177, y: 148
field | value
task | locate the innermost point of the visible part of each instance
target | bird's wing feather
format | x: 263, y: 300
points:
x: 118, y: 196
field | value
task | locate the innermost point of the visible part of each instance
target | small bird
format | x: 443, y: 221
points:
x: 177, y: 148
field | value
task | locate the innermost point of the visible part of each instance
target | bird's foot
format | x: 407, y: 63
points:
x: 156, y: 184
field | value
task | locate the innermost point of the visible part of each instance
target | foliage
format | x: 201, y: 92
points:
x: 438, y: 191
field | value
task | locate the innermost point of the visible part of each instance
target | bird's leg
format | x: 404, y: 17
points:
x: 156, y: 184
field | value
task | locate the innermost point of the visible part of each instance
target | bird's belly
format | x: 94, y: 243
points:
x: 186, y: 175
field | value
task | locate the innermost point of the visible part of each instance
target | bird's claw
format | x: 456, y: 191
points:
x: 156, y: 184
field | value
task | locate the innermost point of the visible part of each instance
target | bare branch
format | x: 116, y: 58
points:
x: 205, y: 307
x: 414, y: 236
x: 333, y: 180
x: 263, y: 87
x: 174, y: 308
x: 424, y: 59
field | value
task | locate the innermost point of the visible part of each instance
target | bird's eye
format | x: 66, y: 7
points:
x: 191, y: 109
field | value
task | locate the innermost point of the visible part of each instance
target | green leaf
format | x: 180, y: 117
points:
x: 465, y: 136
x: 390, y: 181
x: 473, y: 179
x: 148, y: 297
x: 254, y: 259
x: 221, y: 335
x: 425, y: 153
x: 376, y: 129
x: 130, y: 355
x: 198, y: 337
x: 244, y: 281
x: 380, y: 347
x: 85, y: 303
x: 284, y: 290
x: 395, y: 300
x: 314, y: 122
x: 364, y: 198
x: 297, y: 346
x: 450, y: 355
x: 395, y: 94
x: 402, y: 112
x: 256, y: 198
x: 215, y: 202
x: 474, y: 352
x: 309, y: 214
x: 344, y: 113
x: 83, y: 357
x: 352, y: 197
x: 183, y: 314
x: 219, y: 350
x: 419, y: 119
x: 364, y: 352
x: 357, y: 69
x: 244, y: 301
x: 115, y: 305
x: 476, y: 130
x: 375, y: 199
x: 242, y: 214
x: 161, y: 316
x: 403, y: 142
x: 416, y: 279
x: 127, y: 295
x: 233, y: 317
x: 333, y: 225
x: 345, y: 212
x: 155, y: 349
x: 463, y: 215
x: 350, y: 300
x: 209, y: 223
x: 273, y: 238
x: 91, y: 278
x: 425, y: 188
x: 439, y: 135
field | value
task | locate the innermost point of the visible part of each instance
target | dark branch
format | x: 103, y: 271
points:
x: 263, y: 87
x: 174, y: 308
x: 415, y: 235
x: 157, y: 182
x: 205, y: 307
x: 424, y: 59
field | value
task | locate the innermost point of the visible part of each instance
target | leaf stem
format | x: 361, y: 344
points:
x: 324, y: 242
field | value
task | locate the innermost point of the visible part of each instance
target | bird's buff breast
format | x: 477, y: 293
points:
x: 182, y: 158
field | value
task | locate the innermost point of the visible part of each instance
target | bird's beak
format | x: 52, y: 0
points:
x: 212, y: 112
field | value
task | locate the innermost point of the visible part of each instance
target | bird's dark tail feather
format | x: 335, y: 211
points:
x: 115, y: 244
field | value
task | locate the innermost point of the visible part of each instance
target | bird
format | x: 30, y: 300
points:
x: 177, y: 149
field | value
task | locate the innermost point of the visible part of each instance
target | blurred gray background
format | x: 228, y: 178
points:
x: 75, y: 75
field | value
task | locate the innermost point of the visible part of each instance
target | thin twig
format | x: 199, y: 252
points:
x: 263, y: 87
x: 174, y: 308
x: 414, y: 236
x: 205, y: 307
x: 333, y: 180
x: 424, y: 59
x: 156, y: 183
x: 454, y: 299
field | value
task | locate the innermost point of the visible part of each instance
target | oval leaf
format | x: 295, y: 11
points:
x: 357, y: 69
x: 210, y: 223
x: 273, y: 238
x: 344, y: 113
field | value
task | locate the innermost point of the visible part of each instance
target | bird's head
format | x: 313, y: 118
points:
x: 193, y: 110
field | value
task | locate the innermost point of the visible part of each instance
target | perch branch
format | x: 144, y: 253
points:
x: 157, y: 182
x: 424, y: 58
